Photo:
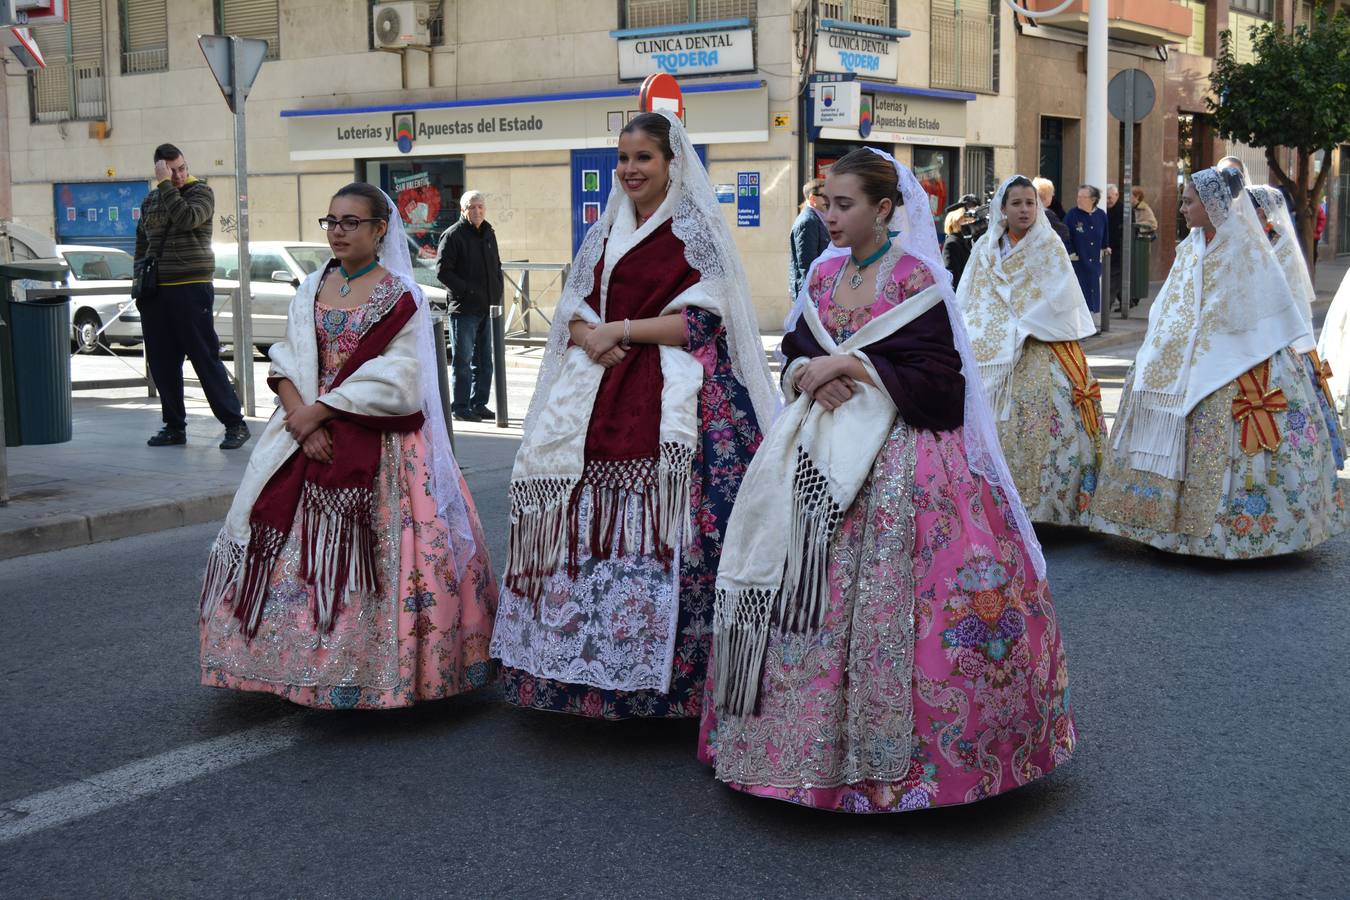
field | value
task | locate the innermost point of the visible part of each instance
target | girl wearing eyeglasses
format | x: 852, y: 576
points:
x: 351, y: 571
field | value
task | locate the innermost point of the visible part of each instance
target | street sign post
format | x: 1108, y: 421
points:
x: 1129, y: 97
x: 235, y: 62
x: 661, y: 92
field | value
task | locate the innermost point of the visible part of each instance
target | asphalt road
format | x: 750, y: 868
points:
x: 1210, y: 699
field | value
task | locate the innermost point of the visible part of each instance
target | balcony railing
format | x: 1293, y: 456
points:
x: 864, y: 12
x: 656, y: 13
x: 962, y: 53
x: 65, y: 91
x: 151, y: 59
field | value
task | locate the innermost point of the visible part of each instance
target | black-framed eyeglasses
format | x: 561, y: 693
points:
x: 344, y: 224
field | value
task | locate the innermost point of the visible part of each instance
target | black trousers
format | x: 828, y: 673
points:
x: 177, y: 325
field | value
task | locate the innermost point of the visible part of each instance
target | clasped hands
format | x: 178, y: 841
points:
x: 827, y: 380
x: 305, y: 424
x: 600, y: 342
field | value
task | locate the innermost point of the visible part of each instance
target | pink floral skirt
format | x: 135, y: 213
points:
x: 938, y: 677
x: 423, y: 637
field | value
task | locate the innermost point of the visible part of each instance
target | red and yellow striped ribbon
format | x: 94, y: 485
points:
x: 1087, y: 393
x: 1254, y: 409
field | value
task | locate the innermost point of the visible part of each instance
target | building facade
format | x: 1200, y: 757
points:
x: 523, y: 100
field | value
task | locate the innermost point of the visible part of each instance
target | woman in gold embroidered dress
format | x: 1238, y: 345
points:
x: 1220, y: 449
x: 1026, y: 314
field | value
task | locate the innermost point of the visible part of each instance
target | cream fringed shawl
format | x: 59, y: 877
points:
x: 1032, y: 292
x: 806, y: 473
x: 1224, y: 308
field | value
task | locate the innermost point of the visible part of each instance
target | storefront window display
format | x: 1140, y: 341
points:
x: 427, y: 194
x: 936, y: 169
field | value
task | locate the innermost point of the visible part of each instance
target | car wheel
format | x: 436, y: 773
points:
x: 86, y: 337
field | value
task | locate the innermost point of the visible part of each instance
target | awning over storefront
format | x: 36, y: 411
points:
x: 899, y: 114
x: 731, y: 112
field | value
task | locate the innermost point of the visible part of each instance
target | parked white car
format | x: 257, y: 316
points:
x: 277, y: 269
x: 110, y: 319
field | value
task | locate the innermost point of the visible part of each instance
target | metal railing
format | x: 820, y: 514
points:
x: 65, y: 91
x: 151, y: 59
x: 103, y: 384
x: 517, y: 327
x: 962, y: 51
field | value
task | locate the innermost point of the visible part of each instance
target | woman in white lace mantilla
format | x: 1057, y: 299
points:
x: 1026, y: 316
x: 1220, y: 448
x: 884, y: 638
x: 1273, y: 212
x: 646, y: 414
x: 351, y: 571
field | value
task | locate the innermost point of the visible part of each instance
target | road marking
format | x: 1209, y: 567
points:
x: 96, y: 793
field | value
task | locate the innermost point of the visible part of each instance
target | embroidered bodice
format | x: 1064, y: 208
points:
x: 908, y: 278
x: 338, y: 331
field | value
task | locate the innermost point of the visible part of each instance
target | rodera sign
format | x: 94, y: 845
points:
x: 690, y: 53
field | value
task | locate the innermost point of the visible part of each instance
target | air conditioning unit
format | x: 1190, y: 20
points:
x: 405, y: 23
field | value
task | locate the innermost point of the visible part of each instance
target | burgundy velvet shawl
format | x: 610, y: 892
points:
x: 337, y: 521
x: 918, y: 365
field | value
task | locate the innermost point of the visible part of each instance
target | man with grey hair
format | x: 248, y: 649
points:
x: 471, y: 269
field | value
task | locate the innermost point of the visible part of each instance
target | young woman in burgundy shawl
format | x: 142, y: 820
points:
x: 351, y: 570
x: 884, y: 638
x: 646, y: 414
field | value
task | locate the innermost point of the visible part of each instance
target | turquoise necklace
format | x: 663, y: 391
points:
x: 347, y: 288
x: 855, y: 280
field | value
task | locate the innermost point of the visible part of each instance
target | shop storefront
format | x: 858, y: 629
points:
x: 425, y: 154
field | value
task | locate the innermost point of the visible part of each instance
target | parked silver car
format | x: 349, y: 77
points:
x: 277, y: 268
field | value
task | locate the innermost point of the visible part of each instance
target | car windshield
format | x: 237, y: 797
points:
x: 99, y: 265
x: 310, y: 259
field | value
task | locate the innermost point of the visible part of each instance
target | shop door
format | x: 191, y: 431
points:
x: 592, y: 179
x: 103, y: 214
x: 1052, y: 152
x: 937, y: 171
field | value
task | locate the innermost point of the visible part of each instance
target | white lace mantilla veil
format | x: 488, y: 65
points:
x: 1289, y: 254
x: 708, y: 247
x: 915, y: 236
x: 445, y: 474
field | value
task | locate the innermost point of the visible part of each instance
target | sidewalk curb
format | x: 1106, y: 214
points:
x: 60, y: 532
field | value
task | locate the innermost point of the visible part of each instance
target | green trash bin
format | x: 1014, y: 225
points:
x: 35, y: 359
x: 1139, y: 261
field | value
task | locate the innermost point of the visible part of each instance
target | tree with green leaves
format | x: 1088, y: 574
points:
x: 1295, y: 95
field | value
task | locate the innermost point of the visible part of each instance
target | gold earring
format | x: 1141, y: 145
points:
x: 879, y: 231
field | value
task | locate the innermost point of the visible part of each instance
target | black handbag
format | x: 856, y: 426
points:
x: 145, y: 272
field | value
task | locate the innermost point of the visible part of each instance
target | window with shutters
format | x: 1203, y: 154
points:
x: 251, y: 19
x: 1241, y: 25
x: 656, y: 13
x: 864, y: 12
x: 1196, y: 42
x: 1260, y: 8
x: 71, y: 86
x: 145, y: 36
x: 977, y: 176
x: 964, y: 49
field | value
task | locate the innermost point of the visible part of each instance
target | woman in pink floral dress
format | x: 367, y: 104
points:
x: 892, y: 645
x: 352, y: 571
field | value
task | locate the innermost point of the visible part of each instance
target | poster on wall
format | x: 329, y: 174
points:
x: 747, y: 199
x: 103, y: 212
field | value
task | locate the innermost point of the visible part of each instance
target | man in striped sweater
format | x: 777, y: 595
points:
x: 175, y: 226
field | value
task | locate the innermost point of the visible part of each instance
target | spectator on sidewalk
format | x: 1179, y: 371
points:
x: 810, y: 237
x: 1087, y: 230
x: 1143, y: 213
x: 175, y: 227
x: 1054, y: 213
x: 471, y: 269
x: 1115, y: 227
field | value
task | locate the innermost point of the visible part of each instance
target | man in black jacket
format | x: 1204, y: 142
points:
x: 175, y: 227
x: 471, y: 269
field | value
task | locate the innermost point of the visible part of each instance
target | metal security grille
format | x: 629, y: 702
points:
x: 978, y: 173
x: 251, y: 19
x: 864, y: 12
x: 964, y: 51
x: 656, y: 13
x: 145, y: 36
x: 71, y: 86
